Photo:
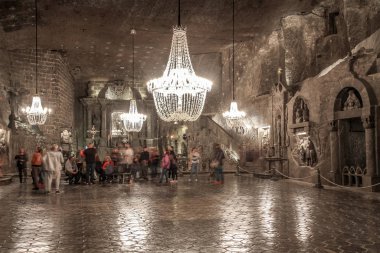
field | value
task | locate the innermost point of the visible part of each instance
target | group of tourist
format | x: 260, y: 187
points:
x: 84, y: 167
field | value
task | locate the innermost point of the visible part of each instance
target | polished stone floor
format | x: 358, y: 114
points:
x: 243, y: 215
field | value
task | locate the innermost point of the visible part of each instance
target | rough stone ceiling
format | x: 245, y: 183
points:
x: 95, y: 34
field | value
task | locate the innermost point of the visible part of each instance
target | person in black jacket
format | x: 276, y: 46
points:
x: 90, y: 156
x: 21, y: 161
x: 218, y: 157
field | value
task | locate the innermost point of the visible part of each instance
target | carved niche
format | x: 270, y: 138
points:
x: 300, y: 111
x: 348, y: 99
x: 304, y: 151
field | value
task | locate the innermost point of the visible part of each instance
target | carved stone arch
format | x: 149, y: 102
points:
x: 368, y: 98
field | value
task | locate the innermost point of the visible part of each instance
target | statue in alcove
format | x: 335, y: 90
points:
x: 66, y: 137
x: 352, y: 101
x: 305, y: 153
x: 305, y: 113
x: 3, y: 143
x: 299, y: 115
x: 310, y: 154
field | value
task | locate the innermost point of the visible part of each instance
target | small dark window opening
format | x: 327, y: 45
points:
x: 333, y: 19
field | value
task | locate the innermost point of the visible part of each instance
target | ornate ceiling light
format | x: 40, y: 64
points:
x: 233, y: 116
x: 133, y: 121
x: 36, y: 114
x: 179, y: 95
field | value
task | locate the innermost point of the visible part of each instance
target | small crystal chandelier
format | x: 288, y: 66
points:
x: 35, y: 114
x: 133, y: 121
x: 179, y: 95
x: 233, y: 116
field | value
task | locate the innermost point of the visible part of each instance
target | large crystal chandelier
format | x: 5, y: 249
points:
x: 179, y: 95
x: 233, y: 116
x: 133, y: 121
x: 35, y: 114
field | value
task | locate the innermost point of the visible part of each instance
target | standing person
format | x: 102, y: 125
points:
x: 36, y: 167
x: 144, y: 160
x: 90, y: 157
x: 172, y: 158
x: 218, y: 157
x: 129, y: 155
x: 154, y: 161
x: 53, y: 160
x: 195, y: 157
x: 21, y: 160
x: 165, y: 165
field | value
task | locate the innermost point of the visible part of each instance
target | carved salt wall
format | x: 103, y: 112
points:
x: 342, y: 103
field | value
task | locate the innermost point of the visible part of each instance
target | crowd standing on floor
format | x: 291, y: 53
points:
x: 122, y: 164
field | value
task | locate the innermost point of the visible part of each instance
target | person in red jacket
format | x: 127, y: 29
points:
x: 165, y: 165
x: 107, y: 169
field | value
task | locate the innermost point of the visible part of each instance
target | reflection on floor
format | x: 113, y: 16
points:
x: 243, y: 215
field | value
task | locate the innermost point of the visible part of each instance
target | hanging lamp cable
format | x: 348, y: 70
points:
x: 179, y: 13
x: 35, y: 7
x: 233, y: 50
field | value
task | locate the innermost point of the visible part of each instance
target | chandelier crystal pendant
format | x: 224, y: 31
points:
x: 133, y: 121
x: 179, y: 95
x: 233, y: 116
x: 36, y: 114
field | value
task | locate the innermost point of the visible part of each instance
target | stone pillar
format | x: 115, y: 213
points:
x: 334, y: 151
x: 103, y: 133
x: 368, y: 124
x: 89, y: 117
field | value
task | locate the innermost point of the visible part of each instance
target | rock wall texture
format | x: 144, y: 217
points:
x: 321, y: 53
x: 55, y: 87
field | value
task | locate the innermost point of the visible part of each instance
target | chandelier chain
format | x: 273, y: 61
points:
x: 36, y: 53
x: 233, y: 50
x: 179, y: 12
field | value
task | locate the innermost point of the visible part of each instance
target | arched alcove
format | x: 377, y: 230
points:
x: 300, y: 111
x: 348, y: 98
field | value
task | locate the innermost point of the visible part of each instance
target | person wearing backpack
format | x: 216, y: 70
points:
x: 36, y: 167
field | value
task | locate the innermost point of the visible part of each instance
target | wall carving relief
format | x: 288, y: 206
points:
x: 304, y: 151
x: 352, y: 101
x: 264, y: 137
x: 348, y: 99
x: 300, y: 111
x: 3, y: 141
x: 117, y: 128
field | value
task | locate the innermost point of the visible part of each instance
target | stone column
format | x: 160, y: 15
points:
x: 368, y: 124
x: 334, y: 151
x: 89, y: 117
x: 103, y: 133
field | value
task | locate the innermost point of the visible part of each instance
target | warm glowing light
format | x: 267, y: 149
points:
x: 179, y: 95
x: 133, y: 121
x: 35, y: 114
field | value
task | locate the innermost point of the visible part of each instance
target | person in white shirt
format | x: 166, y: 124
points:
x: 53, y: 161
x: 195, y: 157
x: 72, y: 170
